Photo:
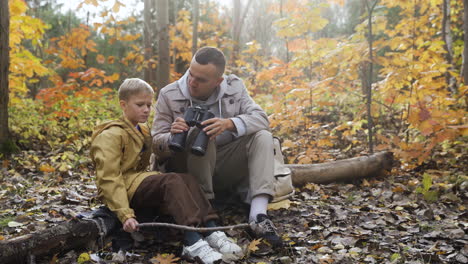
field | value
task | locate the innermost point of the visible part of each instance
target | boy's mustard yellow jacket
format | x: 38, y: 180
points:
x: 121, y: 154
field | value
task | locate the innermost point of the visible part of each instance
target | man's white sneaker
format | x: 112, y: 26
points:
x: 219, y: 241
x: 202, y: 252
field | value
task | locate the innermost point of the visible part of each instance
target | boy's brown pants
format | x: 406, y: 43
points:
x: 175, y: 194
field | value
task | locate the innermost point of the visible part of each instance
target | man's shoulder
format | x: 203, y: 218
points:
x: 235, y: 84
x: 170, y: 88
x: 233, y: 79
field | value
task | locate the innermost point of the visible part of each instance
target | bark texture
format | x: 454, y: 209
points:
x: 162, y: 11
x: 342, y: 170
x: 4, y: 67
x: 61, y: 238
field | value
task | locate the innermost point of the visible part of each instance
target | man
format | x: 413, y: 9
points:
x: 239, y: 156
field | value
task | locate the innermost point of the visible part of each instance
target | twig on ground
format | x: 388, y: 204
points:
x: 191, y: 228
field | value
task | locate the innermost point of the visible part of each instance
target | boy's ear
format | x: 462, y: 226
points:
x: 123, y: 104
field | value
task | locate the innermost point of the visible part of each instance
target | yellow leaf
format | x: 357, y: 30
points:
x: 281, y: 204
x: 91, y: 2
x: 117, y: 6
x: 46, y: 168
x: 84, y: 257
x: 426, y: 128
x: 100, y: 59
x: 253, y: 246
x: 165, y: 259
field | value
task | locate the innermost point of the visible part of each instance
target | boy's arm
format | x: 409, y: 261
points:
x: 106, y: 152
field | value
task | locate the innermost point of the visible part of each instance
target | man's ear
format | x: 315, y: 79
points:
x: 220, y: 80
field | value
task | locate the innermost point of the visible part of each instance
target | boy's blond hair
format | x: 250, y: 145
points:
x: 132, y: 86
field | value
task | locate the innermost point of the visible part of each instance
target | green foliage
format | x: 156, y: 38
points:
x: 8, y: 147
x: 429, y: 195
x: 395, y: 257
x: 56, y: 127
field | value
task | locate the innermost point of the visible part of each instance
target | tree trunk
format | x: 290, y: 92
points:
x: 163, y: 43
x: 148, y: 35
x: 195, y: 18
x: 370, y: 122
x: 448, y: 46
x: 341, y: 170
x: 465, y: 45
x: 238, y: 18
x: 4, y: 69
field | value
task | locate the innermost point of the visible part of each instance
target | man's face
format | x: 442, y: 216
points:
x: 138, y: 107
x: 203, y: 80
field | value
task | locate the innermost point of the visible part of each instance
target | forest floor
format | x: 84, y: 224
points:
x: 404, y: 217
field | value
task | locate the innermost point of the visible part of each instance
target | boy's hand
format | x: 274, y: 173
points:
x: 130, y: 225
x: 179, y: 125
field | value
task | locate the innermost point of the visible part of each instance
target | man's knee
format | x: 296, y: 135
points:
x: 263, y: 137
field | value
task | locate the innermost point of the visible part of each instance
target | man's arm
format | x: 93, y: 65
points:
x: 251, y: 114
x: 161, y: 129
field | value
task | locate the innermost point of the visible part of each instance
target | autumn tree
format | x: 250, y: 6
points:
x: 4, y: 66
x: 465, y: 48
x: 149, y: 38
x: 163, y: 44
x: 367, y: 85
x: 239, y: 14
x: 195, y: 18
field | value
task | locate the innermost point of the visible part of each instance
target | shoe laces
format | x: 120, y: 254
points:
x: 268, y: 227
x: 205, y: 250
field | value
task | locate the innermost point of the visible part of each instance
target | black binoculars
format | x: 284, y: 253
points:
x: 193, y: 116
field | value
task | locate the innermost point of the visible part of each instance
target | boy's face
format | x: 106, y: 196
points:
x: 203, y: 80
x: 137, y: 108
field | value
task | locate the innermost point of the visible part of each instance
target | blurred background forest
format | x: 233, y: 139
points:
x: 308, y: 63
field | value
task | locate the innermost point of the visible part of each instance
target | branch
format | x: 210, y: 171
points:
x: 191, y: 228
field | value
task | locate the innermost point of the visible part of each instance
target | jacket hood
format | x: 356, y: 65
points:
x: 123, y: 123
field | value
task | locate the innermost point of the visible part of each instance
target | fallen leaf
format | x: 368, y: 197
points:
x: 253, y: 246
x: 165, y: 259
x: 14, y: 224
x: 281, y: 204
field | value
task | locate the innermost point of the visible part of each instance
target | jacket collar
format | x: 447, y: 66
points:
x: 133, y: 131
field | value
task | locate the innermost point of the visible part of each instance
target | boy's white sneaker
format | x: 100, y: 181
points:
x: 202, y: 253
x: 219, y: 241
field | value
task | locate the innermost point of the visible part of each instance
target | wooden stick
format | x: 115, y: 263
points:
x: 191, y: 228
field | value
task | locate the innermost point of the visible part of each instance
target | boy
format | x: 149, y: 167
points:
x: 121, y: 149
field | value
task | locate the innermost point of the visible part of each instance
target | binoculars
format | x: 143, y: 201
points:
x: 193, y: 116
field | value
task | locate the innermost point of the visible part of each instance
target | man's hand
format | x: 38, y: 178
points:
x: 130, y: 225
x: 178, y: 126
x: 216, y: 126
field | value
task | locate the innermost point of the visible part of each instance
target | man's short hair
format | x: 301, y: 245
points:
x: 211, y: 55
x: 132, y: 86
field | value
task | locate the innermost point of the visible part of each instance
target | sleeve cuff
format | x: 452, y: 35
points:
x: 240, y: 127
x: 124, y: 217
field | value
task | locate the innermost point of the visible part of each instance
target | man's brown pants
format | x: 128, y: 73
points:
x: 174, y: 194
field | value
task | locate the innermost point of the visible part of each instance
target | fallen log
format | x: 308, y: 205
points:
x: 78, y: 233
x: 341, y: 170
x: 61, y: 238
